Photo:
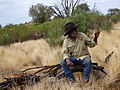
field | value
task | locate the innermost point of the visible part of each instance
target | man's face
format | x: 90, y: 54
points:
x: 73, y: 33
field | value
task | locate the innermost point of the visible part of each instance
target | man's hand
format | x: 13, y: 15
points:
x: 97, y: 33
x: 69, y: 63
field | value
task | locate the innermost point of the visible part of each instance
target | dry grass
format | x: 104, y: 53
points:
x: 33, y: 53
x: 27, y: 54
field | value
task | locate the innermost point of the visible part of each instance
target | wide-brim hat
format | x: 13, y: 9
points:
x: 70, y: 27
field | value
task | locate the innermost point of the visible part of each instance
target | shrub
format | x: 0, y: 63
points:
x: 115, y: 18
x: 53, y: 29
x: 91, y: 20
x: 15, y: 33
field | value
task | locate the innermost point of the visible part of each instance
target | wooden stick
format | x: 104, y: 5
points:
x: 107, y: 58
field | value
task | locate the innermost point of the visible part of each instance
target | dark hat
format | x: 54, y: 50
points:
x: 69, y: 27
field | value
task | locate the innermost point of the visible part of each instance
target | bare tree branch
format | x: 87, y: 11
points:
x: 67, y: 4
x: 63, y: 6
x: 68, y: 7
x: 73, y: 7
x: 58, y: 12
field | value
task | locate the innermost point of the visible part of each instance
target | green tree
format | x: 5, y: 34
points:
x: 40, y: 13
x: 9, y: 26
x: 0, y: 26
x: 113, y: 11
x: 82, y: 7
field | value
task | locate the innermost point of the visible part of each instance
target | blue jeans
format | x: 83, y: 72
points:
x: 87, y: 67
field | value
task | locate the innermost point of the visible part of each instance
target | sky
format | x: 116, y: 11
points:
x: 16, y: 11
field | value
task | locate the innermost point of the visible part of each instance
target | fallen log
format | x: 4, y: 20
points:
x: 79, y: 68
x: 44, y: 71
x: 17, y: 81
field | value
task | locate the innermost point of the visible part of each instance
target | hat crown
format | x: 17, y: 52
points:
x: 69, y: 26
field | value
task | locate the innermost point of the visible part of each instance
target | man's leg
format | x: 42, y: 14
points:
x: 87, y: 68
x: 67, y: 69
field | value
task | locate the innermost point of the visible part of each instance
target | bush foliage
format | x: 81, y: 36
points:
x: 40, y: 13
x: 54, y: 29
x: 115, y: 18
x: 17, y: 33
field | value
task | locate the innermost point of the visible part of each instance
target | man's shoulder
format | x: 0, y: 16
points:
x: 66, y: 39
x: 82, y: 34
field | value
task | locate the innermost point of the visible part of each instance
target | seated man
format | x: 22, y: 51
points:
x: 75, y: 51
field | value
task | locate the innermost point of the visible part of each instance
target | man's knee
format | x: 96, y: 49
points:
x: 63, y: 62
x: 87, y: 60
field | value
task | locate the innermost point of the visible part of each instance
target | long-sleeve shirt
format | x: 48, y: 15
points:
x: 79, y: 48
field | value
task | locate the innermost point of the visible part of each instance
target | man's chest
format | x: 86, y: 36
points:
x: 77, y: 45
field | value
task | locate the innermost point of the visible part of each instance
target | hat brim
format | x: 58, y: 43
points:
x: 74, y: 28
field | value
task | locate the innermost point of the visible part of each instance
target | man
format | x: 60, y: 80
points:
x: 75, y: 51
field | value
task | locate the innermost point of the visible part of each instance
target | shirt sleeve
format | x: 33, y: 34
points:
x: 65, y: 49
x: 90, y: 43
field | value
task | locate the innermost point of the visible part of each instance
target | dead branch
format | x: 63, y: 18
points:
x: 18, y: 81
x: 74, y: 5
x: 44, y: 72
x: 107, y: 58
x: 41, y: 67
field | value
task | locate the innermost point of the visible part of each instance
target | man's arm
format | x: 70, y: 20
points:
x: 96, y: 35
x: 66, y: 54
x: 65, y: 49
x: 92, y: 43
x: 95, y: 39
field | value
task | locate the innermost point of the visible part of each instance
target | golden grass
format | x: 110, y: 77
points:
x: 26, y: 54
x: 19, y: 56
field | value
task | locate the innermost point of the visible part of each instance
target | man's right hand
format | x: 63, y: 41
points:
x: 69, y: 63
x: 97, y: 33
